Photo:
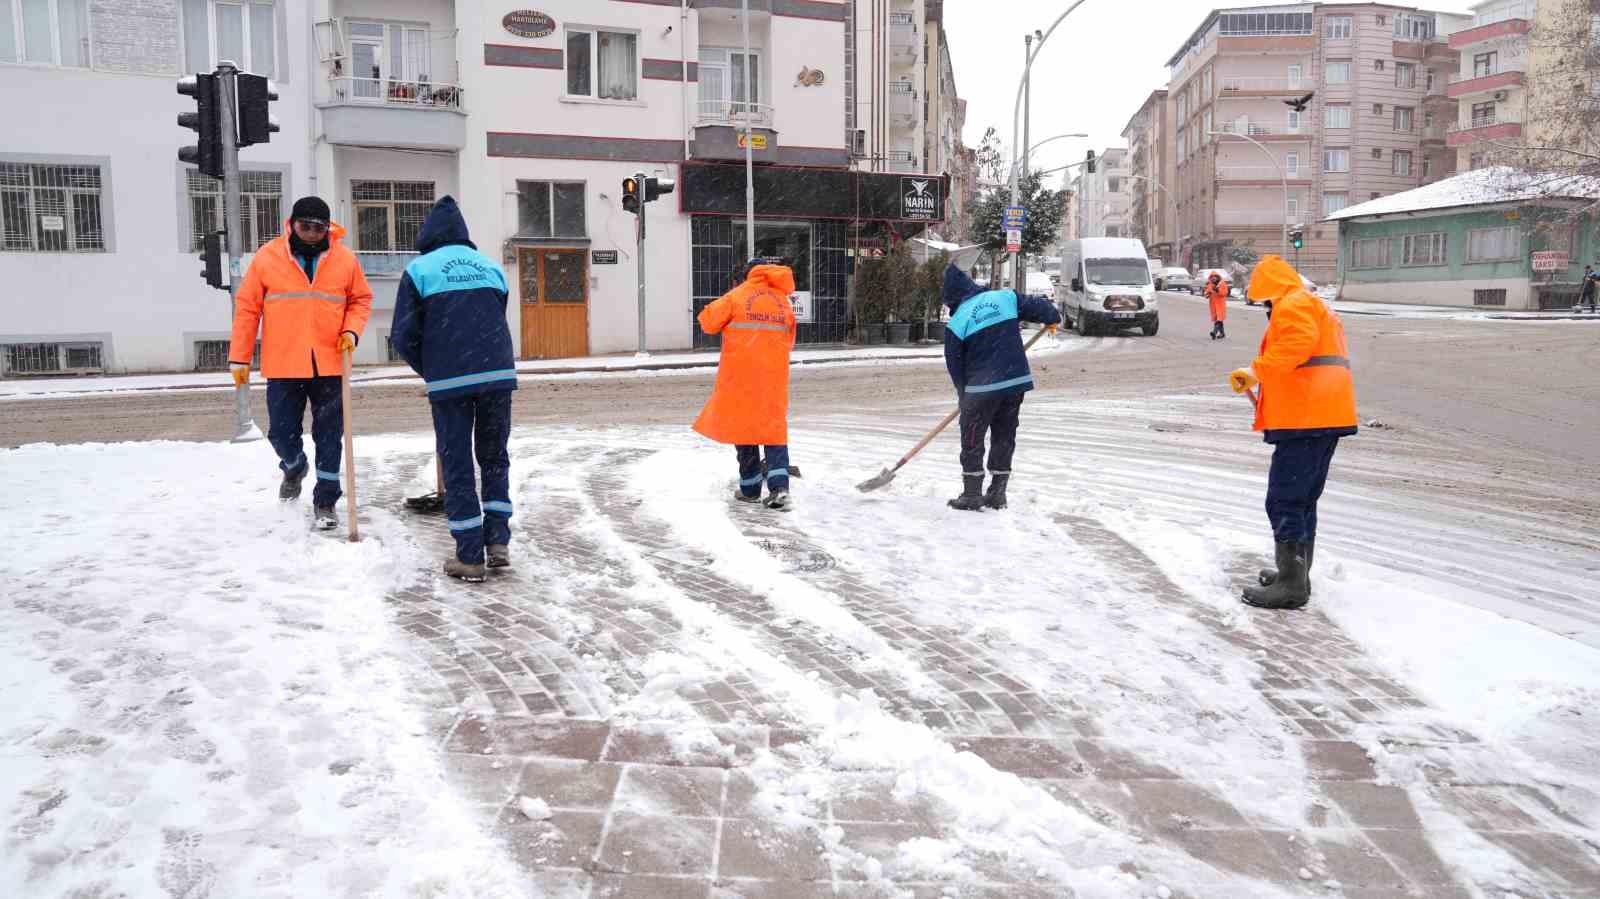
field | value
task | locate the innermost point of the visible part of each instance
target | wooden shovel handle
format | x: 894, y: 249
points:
x: 349, y: 453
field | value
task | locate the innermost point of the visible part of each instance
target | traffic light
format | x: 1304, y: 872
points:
x: 1088, y: 163
x: 211, y: 260
x: 256, y: 123
x: 630, y: 195
x: 1297, y: 238
x: 205, y: 121
x: 655, y: 187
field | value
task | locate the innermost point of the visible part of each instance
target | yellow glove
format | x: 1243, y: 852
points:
x: 1051, y: 329
x: 241, y: 374
x: 347, y: 342
x: 1242, y: 379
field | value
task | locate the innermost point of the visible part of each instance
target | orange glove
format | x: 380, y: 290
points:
x: 347, y: 341
x: 241, y: 374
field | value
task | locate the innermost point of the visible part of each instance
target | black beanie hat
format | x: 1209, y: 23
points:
x: 310, y: 209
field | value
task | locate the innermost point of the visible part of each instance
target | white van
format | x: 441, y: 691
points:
x: 1105, y: 286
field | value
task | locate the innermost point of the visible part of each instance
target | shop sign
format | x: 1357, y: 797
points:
x: 605, y: 257
x: 528, y: 23
x: 919, y: 199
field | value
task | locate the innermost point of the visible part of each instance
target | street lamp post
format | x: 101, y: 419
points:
x: 1022, y: 87
x: 1282, y: 176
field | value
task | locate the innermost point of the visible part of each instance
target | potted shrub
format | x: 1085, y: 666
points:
x: 930, y: 282
x: 900, y: 275
x: 871, y: 300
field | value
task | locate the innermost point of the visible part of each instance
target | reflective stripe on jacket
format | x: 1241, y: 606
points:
x: 1304, y: 363
x: 750, y: 403
x: 299, y: 319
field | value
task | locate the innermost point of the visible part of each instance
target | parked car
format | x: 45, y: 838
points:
x: 1175, y: 279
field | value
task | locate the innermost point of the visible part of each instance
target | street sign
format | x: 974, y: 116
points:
x: 1550, y: 261
x: 1016, y: 218
x: 803, y: 310
x: 605, y: 257
x: 756, y: 141
x: 1013, y: 240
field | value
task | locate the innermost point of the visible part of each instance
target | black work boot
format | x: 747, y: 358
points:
x: 971, y: 498
x: 996, y: 497
x: 1291, y: 589
x: 1268, y: 575
x: 290, y: 488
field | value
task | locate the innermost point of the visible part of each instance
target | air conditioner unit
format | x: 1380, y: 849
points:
x: 1500, y: 96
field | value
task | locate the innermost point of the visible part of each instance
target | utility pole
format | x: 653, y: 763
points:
x: 639, y: 251
x: 1018, y: 277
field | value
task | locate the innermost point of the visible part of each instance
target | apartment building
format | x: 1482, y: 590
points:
x: 531, y: 119
x: 944, y: 115
x: 1151, y: 170
x: 1107, y: 196
x: 1491, y: 88
x: 1247, y: 163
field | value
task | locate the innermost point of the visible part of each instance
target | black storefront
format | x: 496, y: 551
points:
x: 810, y: 217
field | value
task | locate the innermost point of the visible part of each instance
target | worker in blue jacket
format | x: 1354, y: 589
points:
x: 983, y: 351
x: 450, y: 326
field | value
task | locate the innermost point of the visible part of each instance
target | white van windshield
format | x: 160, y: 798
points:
x: 1121, y: 272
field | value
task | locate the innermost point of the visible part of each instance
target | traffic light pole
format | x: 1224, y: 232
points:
x: 639, y: 252
x: 233, y: 218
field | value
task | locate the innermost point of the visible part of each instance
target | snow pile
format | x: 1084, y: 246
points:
x: 206, y: 697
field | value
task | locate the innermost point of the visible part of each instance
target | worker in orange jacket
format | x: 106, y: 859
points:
x: 1307, y: 402
x: 749, y: 406
x: 306, y: 295
x: 1216, y: 293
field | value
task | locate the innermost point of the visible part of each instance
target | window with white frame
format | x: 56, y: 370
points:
x: 1294, y: 122
x: 389, y: 214
x: 1336, y: 160
x: 243, y: 31
x: 1337, y: 28
x: 1483, y: 114
x: 1404, y: 116
x: 50, y: 208
x: 389, y: 60
x: 261, y: 201
x: 1370, y: 253
x: 1337, y: 72
x: 1183, y: 106
x: 1336, y: 116
x: 45, y: 32
x: 1291, y: 164
x: 1427, y: 167
x: 1401, y: 162
x: 1205, y: 82
x: 1424, y: 249
x: 723, y: 80
x: 602, y: 64
x: 1486, y: 64
x: 550, y: 209
x: 1413, y: 27
x: 1494, y: 244
x: 1294, y: 74
x: 1333, y: 202
x: 1291, y: 209
x: 1405, y: 74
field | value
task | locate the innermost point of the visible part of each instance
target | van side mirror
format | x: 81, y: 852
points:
x: 1077, y: 285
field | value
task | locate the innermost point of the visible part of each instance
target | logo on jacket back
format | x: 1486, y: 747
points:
x: 984, y: 313
x: 919, y: 198
x: 466, y: 271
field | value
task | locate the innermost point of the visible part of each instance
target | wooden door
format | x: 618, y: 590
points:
x: 555, y: 302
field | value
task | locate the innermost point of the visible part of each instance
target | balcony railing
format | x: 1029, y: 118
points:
x: 1524, y: 10
x: 1433, y: 132
x: 1254, y: 130
x: 904, y: 42
x: 384, y: 262
x: 903, y: 101
x: 1258, y: 173
x: 392, y: 92
x: 729, y: 112
x: 1240, y: 83
x: 901, y: 161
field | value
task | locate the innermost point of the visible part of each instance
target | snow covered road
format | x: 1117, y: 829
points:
x: 676, y: 695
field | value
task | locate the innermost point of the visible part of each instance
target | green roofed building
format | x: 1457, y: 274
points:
x: 1494, y: 237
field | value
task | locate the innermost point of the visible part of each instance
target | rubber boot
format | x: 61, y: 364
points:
x: 996, y: 497
x: 1291, y: 589
x: 465, y: 571
x: 971, y: 498
x: 325, y: 518
x: 1268, y: 575
x: 499, y: 555
x: 289, y: 487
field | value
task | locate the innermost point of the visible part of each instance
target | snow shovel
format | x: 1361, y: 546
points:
x: 430, y: 502
x: 349, y: 453
x: 245, y: 429
x: 882, y: 478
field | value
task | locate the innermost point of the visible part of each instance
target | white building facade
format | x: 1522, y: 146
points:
x: 530, y: 118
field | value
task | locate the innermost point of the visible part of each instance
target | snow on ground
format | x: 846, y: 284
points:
x: 215, y: 704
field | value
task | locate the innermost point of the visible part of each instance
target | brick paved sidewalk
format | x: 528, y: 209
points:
x: 549, y: 666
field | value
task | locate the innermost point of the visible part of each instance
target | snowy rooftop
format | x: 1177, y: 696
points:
x: 1497, y: 184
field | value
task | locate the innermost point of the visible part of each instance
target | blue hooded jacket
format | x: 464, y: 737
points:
x: 450, y: 314
x: 982, y: 344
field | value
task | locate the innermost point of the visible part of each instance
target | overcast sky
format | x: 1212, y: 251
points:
x: 1096, y: 70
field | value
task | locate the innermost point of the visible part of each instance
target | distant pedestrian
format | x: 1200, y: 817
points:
x: 1587, y: 293
x: 989, y: 367
x: 450, y: 327
x: 749, y: 406
x: 1307, y: 402
x: 1216, y: 293
x: 307, y: 298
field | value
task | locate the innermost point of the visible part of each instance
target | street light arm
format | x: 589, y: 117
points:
x: 1016, y: 108
x: 1029, y: 155
x: 1282, y: 176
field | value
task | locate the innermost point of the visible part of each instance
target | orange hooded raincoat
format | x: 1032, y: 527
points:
x: 1303, y: 365
x: 1217, y: 295
x: 749, y: 405
x: 300, y: 319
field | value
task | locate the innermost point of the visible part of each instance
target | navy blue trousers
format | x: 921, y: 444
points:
x: 286, y: 410
x: 985, y: 415
x: 467, y: 428
x: 777, y: 476
x: 1294, y: 484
